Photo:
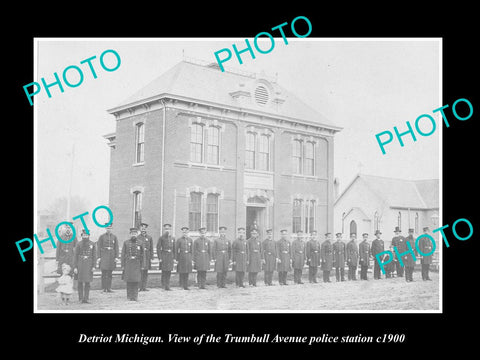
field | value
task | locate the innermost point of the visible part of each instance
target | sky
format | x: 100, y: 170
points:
x: 364, y: 86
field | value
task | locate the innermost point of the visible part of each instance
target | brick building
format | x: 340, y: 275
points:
x: 201, y: 147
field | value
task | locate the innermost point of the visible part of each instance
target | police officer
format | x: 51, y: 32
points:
x: 352, y: 257
x: 268, y: 257
x: 399, y: 242
x: 64, y: 251
x: 222, y: 254
x: 239, y: 257
x: 84, y: 265
x: 326, y: 256
x: 378, y: 246
x: 284, y: 253
x: 184, y: 253
x: 425, y: 247
x: 147, y: 243
x: 339, y: 258
x: 254, y: 262
x: 364, y: 254
x: 166, y: 255
x: 107, y: 249
x: 132, y: 260
x: 201, y: 257
x: 312, y: 250
x: 298, y: 257
x: 408, y: 259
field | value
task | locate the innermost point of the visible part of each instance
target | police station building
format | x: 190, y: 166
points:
x: 202, y: 147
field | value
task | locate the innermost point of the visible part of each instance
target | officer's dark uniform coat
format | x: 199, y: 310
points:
x: 147, y: 243
x: 352, y: 253
x: 254, y: 251
x: 201, y: 253
x: 132, y: 260
x: 184, y: 251
x: 312, y: 250
x: 425, y: 246
x: 298, y: 254
x: 107, y: 249
x: 64, y: 254
x: 364, y: 253
x: 239, y: 254
x: 84, y: 260
x: 221, y: 253
x: 326, y: 254
x: 268, y: 249
x: 339, y: 254
x: 166, y: 252
x: 284, y: 253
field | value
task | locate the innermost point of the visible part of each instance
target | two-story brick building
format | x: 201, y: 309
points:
x: 201, y: 147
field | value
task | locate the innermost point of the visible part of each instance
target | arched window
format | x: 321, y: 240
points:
x: 309, y: 158
x: 250, y: 150
x: 353, y: 227
x: 343, y: 222
x: 297, y: 156
x: 212, y: 213
x: 310, y: 216
x: 196, y: 143
x: 195, y: 211
x: 139, y: 142
x: 376, y: 221
x: 213, y: 145
x: 297, y: 215
x: 137, y: 209
x: 264, y: 153
x: 399, y: 220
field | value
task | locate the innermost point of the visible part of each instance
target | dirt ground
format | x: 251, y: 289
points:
x: 384, y: 294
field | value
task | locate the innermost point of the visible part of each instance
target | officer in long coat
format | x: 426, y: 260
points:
x: 84, y: 265
x: 408, y: 259
x: 254, y: 262
x: 268, y: 257
x: 398, y: 241
x: 107, y: 249
x: 298, y: 257
x: 166, y: 255
x: 147, y: 243
x: 352, y: 257
x: 202, y: 251
x: 65, y: 250
x: 378, y: 246
x: 222, y: 255
x: 284, y: 255
x: 425, y: 246
x: 132, y: 261
x: 364, y: 254
x: 239, y: 256
x: 312, y: 253
x: 326, y: 256
x: 339, y: 251
x: 184, y: 254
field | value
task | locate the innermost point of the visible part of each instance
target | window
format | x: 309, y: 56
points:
x: 139, y: 142
x: 137, y: 208
x: 196, y: 143
x: 297, y: 215
x: 250, y: 148
x: 297, y: 156
x: 213, y: 145
x: 195, y: 211
x: 264, y: 153
x: 212, y: 213
x: 353, y: 227
x: 309, y: 158
x: 309, y: 216
x: 416, y: 223
x: 399, y: 220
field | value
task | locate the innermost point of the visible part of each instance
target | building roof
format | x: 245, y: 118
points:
x: 190, y: 81
x: 401, y: 193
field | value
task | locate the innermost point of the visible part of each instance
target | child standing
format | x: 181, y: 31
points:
x: 65, y: 282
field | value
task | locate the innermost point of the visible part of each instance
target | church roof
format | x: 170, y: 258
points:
x: 401, y: 193
x: 207, y: 84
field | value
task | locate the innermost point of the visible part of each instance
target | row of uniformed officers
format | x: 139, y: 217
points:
x: 242, y: 255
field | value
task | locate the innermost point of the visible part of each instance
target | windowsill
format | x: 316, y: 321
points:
x: 259, y: 171
x: 139, y: 164
x: 301, y: 176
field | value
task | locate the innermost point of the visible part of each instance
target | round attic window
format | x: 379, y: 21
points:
x: 261, y: 95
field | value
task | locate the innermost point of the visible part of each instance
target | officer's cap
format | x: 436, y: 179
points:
x: 202, y: 228
x: 222, y: 228
x: 269, y: 230
x: 283, y: 231
x: 397, y: 229
x: 411, y: 230
x: 426, y: 228
x: 327, y: 233
x: 84, y: 232
x: 365, y: 234
x: 378, y: 232
x: 167, y: 225
x: 144, y: 224
x: 240, y: 228
x: 185, y: 228
x: 133, y: 229
x: 338, y: 234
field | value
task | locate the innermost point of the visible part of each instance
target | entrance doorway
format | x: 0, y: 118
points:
x: 255, y: 219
